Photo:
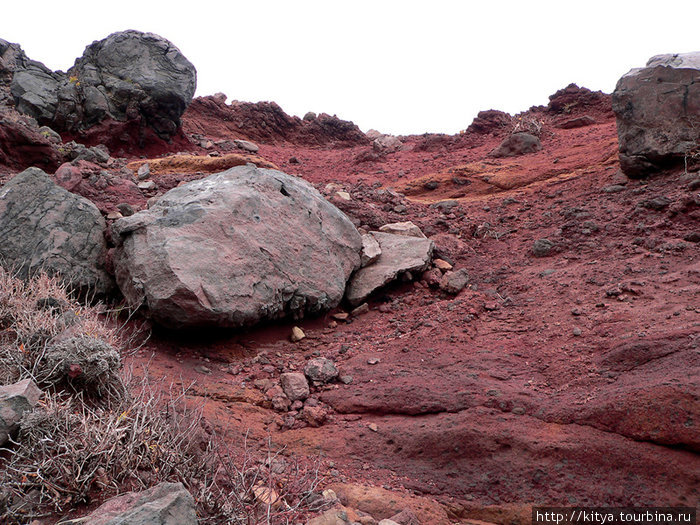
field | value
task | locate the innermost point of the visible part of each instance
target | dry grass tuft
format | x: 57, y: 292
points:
x: 99, y: 432
x: 48, y: 336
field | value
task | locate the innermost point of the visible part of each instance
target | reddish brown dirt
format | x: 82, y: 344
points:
x: 568, y: 379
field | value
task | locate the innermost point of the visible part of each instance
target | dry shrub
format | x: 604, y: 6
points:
x: 69, y: 453
x: 48, y: 336
x: 98, y: 432
x: 526, y: 124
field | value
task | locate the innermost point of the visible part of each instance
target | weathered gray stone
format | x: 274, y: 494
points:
x: 128, y: 75
x: 164, y: 504
x: 658, y: 113
x: 320, y: 370
x: 387, y: 144
x: 399, y: 254
x: 44, y: 227
x: 235, y: 248
x: 517, y: 144
x: 15, y: 400
x: 246, y: 145
x: 370, y: 249
x: 134, y: 71
x: 454, y: 282
x: 403, y: 228
x: 295, y: 385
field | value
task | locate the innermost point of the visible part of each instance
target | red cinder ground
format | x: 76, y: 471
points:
x: 568, y: 379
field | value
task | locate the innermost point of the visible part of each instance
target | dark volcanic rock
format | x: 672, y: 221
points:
x: 128, y: 76
x: 266, y: 122
x: 131, y: 73
x: 236, y: 248
x: 517, y: 144
x: 573, y: 98
x: 658, y: 113
x: 22, y: 144
x: 44, y: 227
x: 489, y: 121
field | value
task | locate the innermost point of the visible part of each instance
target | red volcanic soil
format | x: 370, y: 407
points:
x: 570, y: 378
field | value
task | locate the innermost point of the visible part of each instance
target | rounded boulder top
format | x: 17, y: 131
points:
x: 133, y: 69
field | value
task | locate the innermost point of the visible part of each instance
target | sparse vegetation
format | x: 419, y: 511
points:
x: 100, y: 431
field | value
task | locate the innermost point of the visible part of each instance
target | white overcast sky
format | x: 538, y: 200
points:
x: 398, y: 66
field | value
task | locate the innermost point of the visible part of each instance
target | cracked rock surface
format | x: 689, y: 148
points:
x: 234, y: 249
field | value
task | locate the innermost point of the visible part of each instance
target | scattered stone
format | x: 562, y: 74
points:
x: 431, y: 185
x: 387, y: 144
x: 542, y: 247
x: 309, y: 116
x: 341, y: 316
x: 517, y: 144
x: 346, y: 379
x: 144, y: 171
x: 360, y: 310
x: 266, y: 495
x: 577, y: 332
x: 343, y: 195
x: 236, y: 248
x: 406, y: 517
x: 201, y: 369
x: 294, y: 385
x: 442, y: 265
x: 147, y: 185
x: 387, y: 522
x: 577, y: 122
x: 44, y: 227
x: 246, y: 145
x: 432, y: 277
x: 315, y: 415
x: 657, y: 203
x: 454, y: 282
x: 125, y: 209
x: 399, y: 254
x: 335, y: 516
x: 114, y: 215
x: 373, y: 427
x: 613, y: 188
x: 297, y: 335
x: 320, y: 370
x: 370, y: 250
x: 407, y: 229
x: 373, y: 361
x: 15, y: 400
x: 656, y: 123
x: 164, y: 504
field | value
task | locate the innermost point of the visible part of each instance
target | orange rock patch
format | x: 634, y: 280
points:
x: 199, y: 163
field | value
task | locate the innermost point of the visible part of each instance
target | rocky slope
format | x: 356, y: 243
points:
x: 547, y: 355
x: 566, y: 372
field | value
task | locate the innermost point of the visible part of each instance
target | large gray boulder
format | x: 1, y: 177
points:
x: 131, y: 72
x: 164, y: 504
x: 44, y: 227
x: 399, y: 254
x: 658, y: 113
x: 128, y: 76
x: 15, y: 400
x: 234, y: 249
